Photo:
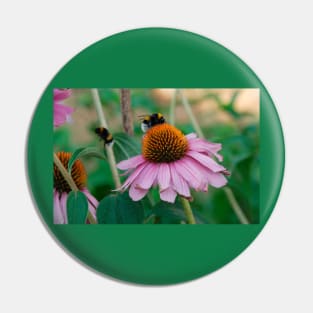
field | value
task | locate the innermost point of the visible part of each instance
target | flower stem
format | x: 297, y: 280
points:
x: 190, y: 114
x: 172, y: 107
x: 109, y: 150
x: 70, y: 182
x: 188, y: 211
x: 235, y: 206
x: 126, y: 111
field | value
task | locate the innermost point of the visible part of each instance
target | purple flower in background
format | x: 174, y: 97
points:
x: 61, y: 112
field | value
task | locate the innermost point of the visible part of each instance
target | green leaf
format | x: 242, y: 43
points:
x: 109, y: 95
x: 77, y: 207
x: 227, y: 106
x: 245, y: 183
x: 173, y: 213
x: 84, y: 152
x: 143, y: 99
x: 120, y: 209
x: 85, y: 100
x: 235, y: 149
x: 233, y: 99
x: 61, y: 139
x: 125, y: 147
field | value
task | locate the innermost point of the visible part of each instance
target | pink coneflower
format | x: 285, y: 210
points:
x: 175, y: 162
x: 61, y: 189
x: 61, y: 112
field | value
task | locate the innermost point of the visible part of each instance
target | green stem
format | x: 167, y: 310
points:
x: 109, y: 149
x: 148, y: 219
x: 235, y: 206
x: 190, y: 114
x: 66, y: 175
x: 172, y: 107
x: 188, y: 211
x: 150, y: 198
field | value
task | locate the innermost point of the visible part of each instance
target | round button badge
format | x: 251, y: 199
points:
x: 155, y: 156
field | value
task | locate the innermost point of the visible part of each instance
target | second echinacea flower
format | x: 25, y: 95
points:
x: 61, y: 188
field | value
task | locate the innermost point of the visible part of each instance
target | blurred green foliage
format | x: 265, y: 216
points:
x: 239, y: 138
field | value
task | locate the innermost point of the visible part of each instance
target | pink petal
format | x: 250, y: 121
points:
x: 61, y: 114
x: 196, y: 167
x: 191, y: 136
x: 184, y: 171
x: 199, y: 170
x: 131, y: 163
x: 133, y: 176
x: 207, y: 176
x: 168, y: 195
x: 201, y: 145
x: 58, y: 120
x: 204, y: 187
x: 62, y: 109
x: 63, y: 201
x: 92, y: 202
x: 155, y: 182
x: 137, y: 193
x: 180, y: 185
x: 148, y: 176
x: 164, y: 176
x: 218, y: 156
x: 216, y: 179
x: 61, y: 94
x: 58, y: 217
x: 206, y: 161
x: 213, y: 147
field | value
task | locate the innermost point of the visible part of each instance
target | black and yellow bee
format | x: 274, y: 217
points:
x: 105, y: 135
x: 149, y: 121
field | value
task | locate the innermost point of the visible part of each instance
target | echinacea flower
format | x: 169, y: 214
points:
x: 175, y: 162
x: 61, y: 112
x: 61, y: 189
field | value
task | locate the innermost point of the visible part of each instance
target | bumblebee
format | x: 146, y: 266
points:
x: 105, y: 135
x: 149, y: 121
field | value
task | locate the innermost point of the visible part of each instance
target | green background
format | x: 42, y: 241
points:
x: 146, y: 58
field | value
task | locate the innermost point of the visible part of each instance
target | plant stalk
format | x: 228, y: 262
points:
x: 70, y: 182
x: 126, y: 111
x: 109, y: 149
x: 190, y: 114
x: 235, y: 206
x: 188, y: 211
x: 172, y: 107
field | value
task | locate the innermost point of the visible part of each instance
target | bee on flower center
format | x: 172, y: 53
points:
x: 149, y: 121
x: 164, y: 143
x: 104, y: 135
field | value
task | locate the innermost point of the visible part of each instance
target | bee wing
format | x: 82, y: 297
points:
x: 141, y: 117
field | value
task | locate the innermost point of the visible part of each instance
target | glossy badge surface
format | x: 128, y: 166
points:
x: 155, y: 156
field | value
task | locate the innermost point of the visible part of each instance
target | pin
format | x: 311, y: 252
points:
x: 206, y: 162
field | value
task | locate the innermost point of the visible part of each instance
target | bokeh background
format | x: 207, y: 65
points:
x: 228, y: 116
